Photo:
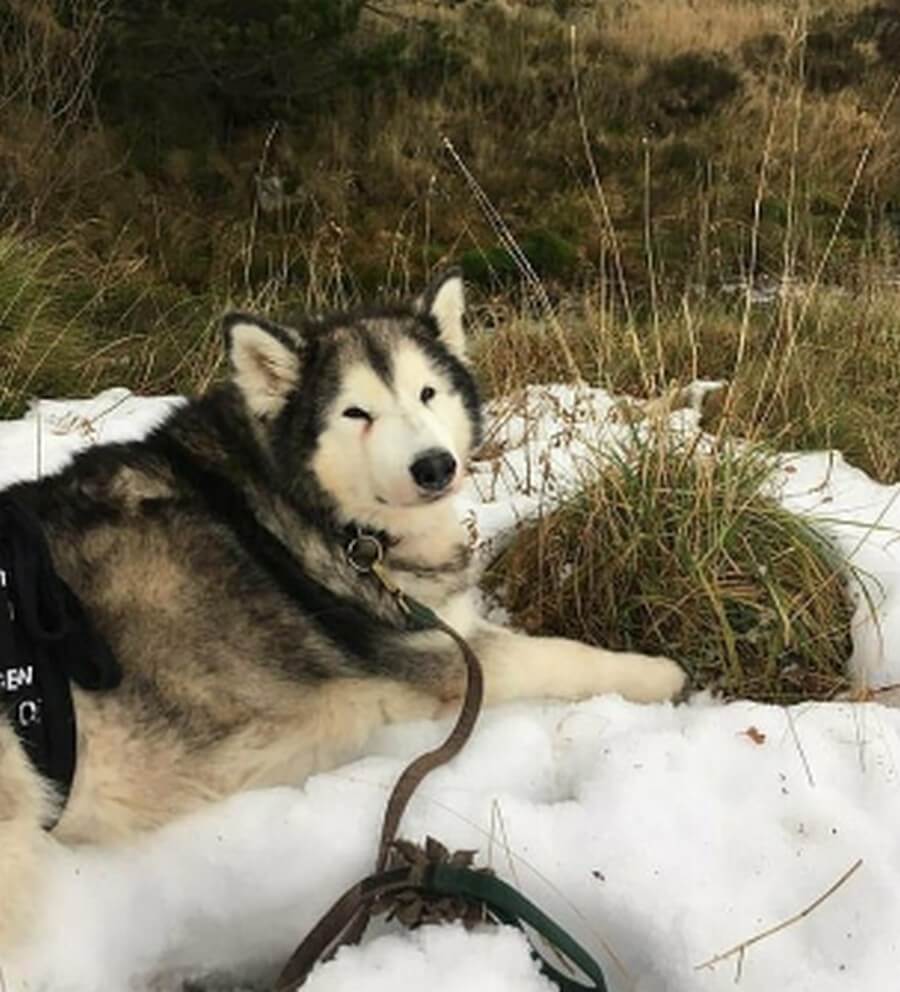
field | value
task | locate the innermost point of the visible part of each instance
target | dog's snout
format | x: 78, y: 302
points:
x: 433, y: 469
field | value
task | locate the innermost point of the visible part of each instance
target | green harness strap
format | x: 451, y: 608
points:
x: 510, y: 906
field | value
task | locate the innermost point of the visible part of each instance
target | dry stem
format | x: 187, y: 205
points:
x: 741, y: 948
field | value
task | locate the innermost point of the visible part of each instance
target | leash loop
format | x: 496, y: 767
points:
x: 365, y: 555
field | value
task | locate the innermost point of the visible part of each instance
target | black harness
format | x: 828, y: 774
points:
x: 47, y: 641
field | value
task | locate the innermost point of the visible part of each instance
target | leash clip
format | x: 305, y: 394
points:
x: 365, y: 555
x: 380, y: 573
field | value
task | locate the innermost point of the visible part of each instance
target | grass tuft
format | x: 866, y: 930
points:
x: 673, y: 549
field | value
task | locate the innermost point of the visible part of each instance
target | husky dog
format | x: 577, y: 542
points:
x: 213, y: 558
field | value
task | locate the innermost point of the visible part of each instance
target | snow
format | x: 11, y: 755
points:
x: 660, y: 836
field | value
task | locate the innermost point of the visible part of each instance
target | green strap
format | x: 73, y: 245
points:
x: 420, y: 617
x: 482, y: 888
x: 504, y: 901
x: 513, y: 908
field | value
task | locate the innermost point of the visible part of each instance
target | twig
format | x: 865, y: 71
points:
x: 607, y: 225
x: 869, y: 694
x: 799, y: 746
x: 520, y: 259
x: 254, y: 216
x: 741, y: 948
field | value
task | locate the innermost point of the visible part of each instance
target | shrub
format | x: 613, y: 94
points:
x: 690, y: 86
x: 549, y: 254
x: 831, y: 62
x: 673, y: 550
x: 180, y: 69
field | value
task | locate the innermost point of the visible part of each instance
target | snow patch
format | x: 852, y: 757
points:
x: 658, y: 835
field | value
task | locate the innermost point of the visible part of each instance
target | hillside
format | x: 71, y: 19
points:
x: 658, y: 166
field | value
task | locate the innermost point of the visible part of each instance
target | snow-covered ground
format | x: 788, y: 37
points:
x: 660, y: 836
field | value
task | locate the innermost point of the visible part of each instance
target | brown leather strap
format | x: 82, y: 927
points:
x: 421, y: 766
x: 346, y: 921
x: 330, y: 932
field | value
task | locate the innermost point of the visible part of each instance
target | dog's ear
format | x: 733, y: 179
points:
x: 265, y: 361
x: 445, y: 301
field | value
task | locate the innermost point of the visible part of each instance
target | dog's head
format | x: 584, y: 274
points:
x: 378, y: 407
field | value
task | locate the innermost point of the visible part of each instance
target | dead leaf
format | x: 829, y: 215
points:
x: 755, y: 735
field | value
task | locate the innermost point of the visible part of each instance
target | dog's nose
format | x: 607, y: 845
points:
x: 434, y: 469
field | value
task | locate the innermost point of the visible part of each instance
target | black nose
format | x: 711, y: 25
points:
x: 433, y: 469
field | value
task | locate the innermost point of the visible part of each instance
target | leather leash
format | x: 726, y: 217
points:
x: 430, y: 873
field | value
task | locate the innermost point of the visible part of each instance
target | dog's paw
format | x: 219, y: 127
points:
x: 652, y: 679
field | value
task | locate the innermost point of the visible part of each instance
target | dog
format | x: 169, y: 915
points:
x: 216, y: 557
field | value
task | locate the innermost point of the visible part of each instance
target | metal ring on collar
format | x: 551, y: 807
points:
x: 364, y: 552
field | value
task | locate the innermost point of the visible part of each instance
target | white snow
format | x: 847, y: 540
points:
x: 660, y: 836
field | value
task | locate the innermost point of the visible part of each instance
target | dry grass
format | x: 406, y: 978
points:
x: 830, y: 380
x: 71, y: 325
x: 653, y: 29
x: 371, y: 177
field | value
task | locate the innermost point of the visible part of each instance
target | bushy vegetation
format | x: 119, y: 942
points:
x: 167, y: 130
x: 673, y: 549
x: 163, y: 159
x: 188, y: 74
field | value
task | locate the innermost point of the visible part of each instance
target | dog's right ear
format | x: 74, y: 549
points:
x: 265, y: 361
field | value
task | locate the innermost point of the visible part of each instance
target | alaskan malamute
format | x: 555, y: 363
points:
x: 212, y: 557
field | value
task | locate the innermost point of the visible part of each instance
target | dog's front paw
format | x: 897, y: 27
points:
x: 652, y: 679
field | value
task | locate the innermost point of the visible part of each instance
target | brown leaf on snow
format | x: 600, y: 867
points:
x: 755, y: 735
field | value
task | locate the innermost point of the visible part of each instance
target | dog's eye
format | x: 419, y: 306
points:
x: 355, y: 413
x: 426, y: 394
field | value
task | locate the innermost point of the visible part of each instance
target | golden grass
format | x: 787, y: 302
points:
x: 830, y: 380
x: 653, y: 29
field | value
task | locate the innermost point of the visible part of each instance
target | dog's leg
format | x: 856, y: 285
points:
x: 517, y: 666
x: 24, y: 804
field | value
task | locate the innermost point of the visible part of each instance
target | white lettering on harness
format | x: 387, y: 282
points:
x: 13, y: 679
x: 29, y: 713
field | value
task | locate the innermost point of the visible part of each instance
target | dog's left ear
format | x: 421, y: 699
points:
x: 445, y: 302
x: 265, y: 361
